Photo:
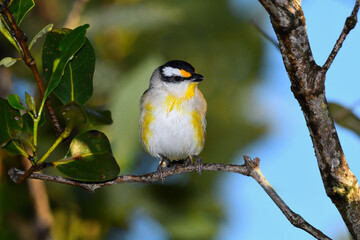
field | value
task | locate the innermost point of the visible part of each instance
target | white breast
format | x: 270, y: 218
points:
x: 172, y: 133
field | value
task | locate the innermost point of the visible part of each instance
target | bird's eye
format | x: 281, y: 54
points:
x: 184, y: 73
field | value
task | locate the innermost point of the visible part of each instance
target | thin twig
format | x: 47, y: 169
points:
x: 349, y: 25
x: 30, y: 170
x: 262, y: 32
x: 30, y: 62
x: 294, y: 218
x: 250, y: 168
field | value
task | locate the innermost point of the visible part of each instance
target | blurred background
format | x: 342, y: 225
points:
x: 251, y: 111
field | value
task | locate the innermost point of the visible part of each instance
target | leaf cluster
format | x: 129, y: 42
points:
x: 68, y: 61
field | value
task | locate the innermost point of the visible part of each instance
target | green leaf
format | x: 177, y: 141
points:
x: 92, y: 158
x: 19, y: 8
x: 76, y: 83
x: 7, y: 35
x: 345, y: 117
x: 14, y: 147
x: 42, y: 32
x: 8, y: 61
x: 14, y: 101
x: 10, y: 121
x: 30, y: 102
x: 28, y: 123
x: 75, y: 114
x: 68, y: 46
x: 11, y: 124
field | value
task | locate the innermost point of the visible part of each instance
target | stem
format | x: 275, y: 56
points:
x: 30, y: 171
x: 37, y: 121
x: 29, y: 143
x: 29, y: 60
x: 23, y: 152
x: 26, y: 174
x: 62, y: 136
x: 65, y: 160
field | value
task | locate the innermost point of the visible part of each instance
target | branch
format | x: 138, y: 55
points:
x: 264, y: 34
x: 18, y: 36
x: 249, y: 168
x: 294, y: 219
x: 349, y: 25
x: 308, y: 85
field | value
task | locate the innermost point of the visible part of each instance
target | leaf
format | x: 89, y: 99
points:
x: 11, y: 124
x: 68, y: 46
x: 19, y: 8
x: 30, y: 102
x: 8, y: 61
x: 14, y: 101
x: 76, y: 84
x: 42, y: 32
x: 14, y: 147
x: 28, y: 123
x: 345, y: 117
x: 75, y: 114
x: 92, y: 158
x: 6, y: 34
x: 10, y: 121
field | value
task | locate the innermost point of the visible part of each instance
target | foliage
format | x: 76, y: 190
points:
x: 68, y: 60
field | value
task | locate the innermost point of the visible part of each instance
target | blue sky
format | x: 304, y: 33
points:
x: 287, y: 155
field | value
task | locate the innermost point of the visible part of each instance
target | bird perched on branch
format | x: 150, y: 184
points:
x: 172, y: 115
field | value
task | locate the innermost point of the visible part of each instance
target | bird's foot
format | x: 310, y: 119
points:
x: 198, y: 164
x: 164, y: 163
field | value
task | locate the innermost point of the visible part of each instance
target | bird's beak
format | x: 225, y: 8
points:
x: 196, y: 77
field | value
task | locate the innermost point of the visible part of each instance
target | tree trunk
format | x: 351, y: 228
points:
x: 308, y: 85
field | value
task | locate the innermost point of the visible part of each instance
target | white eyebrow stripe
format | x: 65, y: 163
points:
x: 170, y: 71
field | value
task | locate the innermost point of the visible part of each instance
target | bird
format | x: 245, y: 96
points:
x: 173, y: 116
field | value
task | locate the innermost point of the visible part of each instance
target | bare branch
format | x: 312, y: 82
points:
x: 249, y: 168
x: 152, y: 177
x: 264, y: 34
x: 308, y: 85
x: 350, y: 23
x: 294, y: 219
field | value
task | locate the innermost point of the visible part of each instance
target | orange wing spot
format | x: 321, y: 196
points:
x: 185, y: 73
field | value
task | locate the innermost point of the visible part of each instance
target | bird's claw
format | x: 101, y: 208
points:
x: 198, y: 164
x: 164, y: 162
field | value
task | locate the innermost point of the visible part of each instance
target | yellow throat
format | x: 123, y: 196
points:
x: 172, y: 101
